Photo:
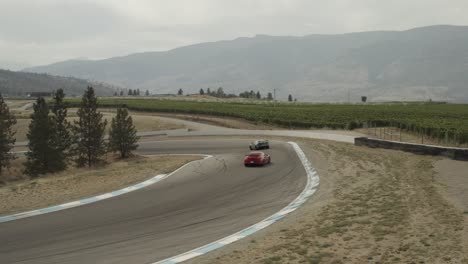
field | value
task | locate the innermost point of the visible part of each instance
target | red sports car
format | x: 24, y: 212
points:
x: 256, y: 158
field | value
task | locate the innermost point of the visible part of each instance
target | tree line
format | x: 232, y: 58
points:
x: 247, y: 94
x: 219, y: 93
x: 130, y: 92
x: 255, y: 95
x: 54, y: 142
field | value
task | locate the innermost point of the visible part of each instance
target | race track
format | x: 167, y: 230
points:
x: 201, y: 203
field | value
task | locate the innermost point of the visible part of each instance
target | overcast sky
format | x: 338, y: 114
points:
x: 35, y: 32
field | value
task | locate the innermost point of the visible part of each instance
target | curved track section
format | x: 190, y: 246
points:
x: 312, y: 184
x: 201, y: 203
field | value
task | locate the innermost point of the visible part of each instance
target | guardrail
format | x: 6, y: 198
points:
x: 452, y: 153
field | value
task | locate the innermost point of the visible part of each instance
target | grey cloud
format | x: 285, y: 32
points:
x: 45, y: 22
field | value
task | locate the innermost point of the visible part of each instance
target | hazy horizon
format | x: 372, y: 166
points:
x: 41, y: 32
x: 220, y: 40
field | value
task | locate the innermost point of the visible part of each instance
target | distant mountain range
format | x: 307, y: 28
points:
x: 429, y: 63
x: 22, y: 83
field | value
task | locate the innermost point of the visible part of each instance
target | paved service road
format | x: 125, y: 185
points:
x: 201, y: 203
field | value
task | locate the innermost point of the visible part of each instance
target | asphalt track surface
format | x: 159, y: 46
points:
x: 199, y: 204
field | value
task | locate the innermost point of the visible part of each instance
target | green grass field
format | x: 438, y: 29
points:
x: 443, y: 121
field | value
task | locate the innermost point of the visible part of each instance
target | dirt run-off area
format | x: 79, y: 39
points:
x: 73, y: 184
x: 372, y: 206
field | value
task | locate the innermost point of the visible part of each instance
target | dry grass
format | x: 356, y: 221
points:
x: 141, y: 122
x: 150, y: 123
x: 373, y: 206
x: 17, y: 104
x: 73, y: 184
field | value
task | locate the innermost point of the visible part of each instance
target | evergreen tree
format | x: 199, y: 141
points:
x: 7, y: 135
x: 180, y: 92
x: 202, y: 92
x: 208, y: 91
x: 270, y: 96
x: 220, y: 92
x: 122, y: 135
x: 130, y: 92
x: 41, y: 157
x: 258, y: 95
x: 137, y: 93
x: 62, y: 138
x: 89, y: 131
x: 121, y: 93
x: 147, y: 93
x: 290, y: 98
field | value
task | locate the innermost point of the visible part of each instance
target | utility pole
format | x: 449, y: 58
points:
x: 274, y: 97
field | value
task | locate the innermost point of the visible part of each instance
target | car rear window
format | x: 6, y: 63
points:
x: 254, y: 155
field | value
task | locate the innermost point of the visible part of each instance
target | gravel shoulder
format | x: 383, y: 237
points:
x: 372, y: 206
x: 74, y: 184
x: 453, y: 184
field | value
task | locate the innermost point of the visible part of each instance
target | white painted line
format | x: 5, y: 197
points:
x: 231, y: 239
x: 104, y: 196
x: 264, y: 224
x: 310, y: 188
x: 187, y: 257
x: 71, y: 204
x: 287, y: 211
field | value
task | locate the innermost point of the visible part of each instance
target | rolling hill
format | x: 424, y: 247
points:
x: 413, y: 65
x: 22, y: 83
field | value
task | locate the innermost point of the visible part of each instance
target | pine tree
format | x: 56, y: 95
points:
x: 208, y: 91
x: 290, y: 98
x: 89, y: 131
x: 147, y: 93
x: 130, y: 92
x: 270, y: 96
x: 258, y: 95
x: 121, y: 93
x: 122, y: 135
x: 202, y: 92
x: 41, y: 157
x: 7, y: 135
x: 62, y: 138
x: 180, y: 92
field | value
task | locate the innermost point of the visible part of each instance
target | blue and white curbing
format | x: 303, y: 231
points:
x: 310, y: 188
x: 101, y: 197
